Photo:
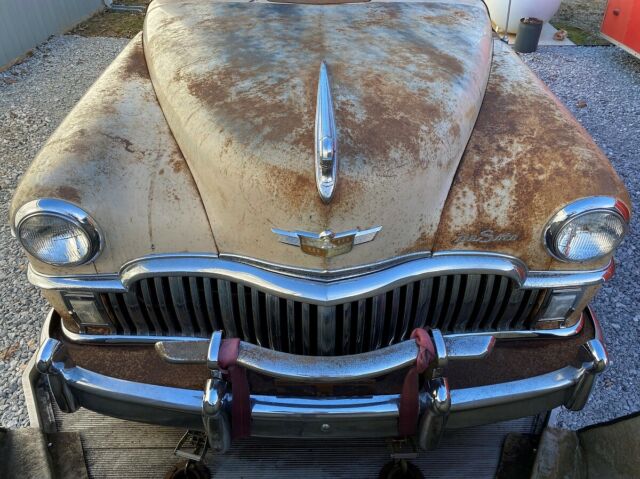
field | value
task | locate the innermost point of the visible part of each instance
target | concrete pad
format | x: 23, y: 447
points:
x: 612, y: 449
x: 546, y: 37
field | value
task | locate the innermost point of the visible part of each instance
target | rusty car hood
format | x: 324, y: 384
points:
x: 238, y: 81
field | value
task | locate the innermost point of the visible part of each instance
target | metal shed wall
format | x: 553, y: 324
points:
x: 26, y: 23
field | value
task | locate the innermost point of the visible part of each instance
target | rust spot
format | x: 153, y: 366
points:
x: 74, y: 142
x: 137, y: 363
x: 177, y: 163
x: 127, y: 144
x: 135, y: 64
x: 68, y: 193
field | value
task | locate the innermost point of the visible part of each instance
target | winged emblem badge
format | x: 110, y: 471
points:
x: 327, y: 243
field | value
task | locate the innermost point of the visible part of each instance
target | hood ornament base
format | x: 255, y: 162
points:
x: 327, y: 243
x: 325, y: 139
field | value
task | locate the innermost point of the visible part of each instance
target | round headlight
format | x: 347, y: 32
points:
x: 587, y: 229
x: 57, y: 232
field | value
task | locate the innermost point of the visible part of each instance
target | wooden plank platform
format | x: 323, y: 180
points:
x: 115, y: 448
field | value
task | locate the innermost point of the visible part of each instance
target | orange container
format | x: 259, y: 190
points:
x: 621, y: 24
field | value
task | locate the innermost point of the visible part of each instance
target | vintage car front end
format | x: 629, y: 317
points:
x: 289, y: 220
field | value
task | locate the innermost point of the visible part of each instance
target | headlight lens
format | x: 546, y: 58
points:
x: 57, y: 232
x: 586, y: 230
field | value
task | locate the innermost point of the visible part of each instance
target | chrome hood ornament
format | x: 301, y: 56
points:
x: 325, y: 139
x: 327, y: 243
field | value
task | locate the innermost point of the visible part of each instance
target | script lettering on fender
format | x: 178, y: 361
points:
x: 486, y: 236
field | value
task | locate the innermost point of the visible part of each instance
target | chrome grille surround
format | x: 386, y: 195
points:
x: 179, y: 296
x: 196, y: 306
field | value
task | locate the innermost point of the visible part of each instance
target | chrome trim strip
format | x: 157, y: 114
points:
x: 324, y: 274
x: 469, y: 347
x: 528, y: 333
x: 104, y: 283
x: 326, y: 141
x: 128, y: 339
x: 314, y: 291
x: 277, y: 407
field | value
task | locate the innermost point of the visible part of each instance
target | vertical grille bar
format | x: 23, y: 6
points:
x: 436, y: 319
x: 513, y: 305
x: 406, y: 314
x: 346, y: 328
x: 326, y: 330
x: 118, y: 314
x: 485, y: 301
x: 165, y: 306
x: 360, y: 324
x: 211, y: 301
x: 226, y: 308
x: 291, y: 325
x: 500, y: 290
x: 424, y: 298
x: 180, y: 305
x: 150, y: 306
x: 244, y: 315
x: 256, y: 312
x: 273, y: 321
x: 306, y: 328
x: 468, y: 302
x: 393, y: 318
x: 377, y: 321
x: 133, y: 308
x: 198, y: 308
x: 451, y: 302
x: 526, y: 313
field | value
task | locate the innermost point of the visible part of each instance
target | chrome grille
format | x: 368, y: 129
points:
x: 196, y: 306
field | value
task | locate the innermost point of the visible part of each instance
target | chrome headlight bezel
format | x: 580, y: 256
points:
x: 66, y: 211
x: 577, y: 209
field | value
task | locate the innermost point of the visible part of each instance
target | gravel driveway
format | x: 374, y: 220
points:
x: 601, y: 87
x: 36, y: 95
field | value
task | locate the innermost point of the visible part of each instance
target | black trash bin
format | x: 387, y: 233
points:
x: 528, y: 35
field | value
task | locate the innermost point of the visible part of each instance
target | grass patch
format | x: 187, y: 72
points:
x: 113, y: 24
x: 579, y: 36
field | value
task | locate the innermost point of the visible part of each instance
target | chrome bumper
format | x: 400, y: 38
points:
x: 277, y: 416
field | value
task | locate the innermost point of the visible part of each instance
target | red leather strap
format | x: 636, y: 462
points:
x: 241, y: 404
x: 409, y: 397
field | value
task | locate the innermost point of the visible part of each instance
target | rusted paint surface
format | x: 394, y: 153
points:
x: 526, y: 159
x: 138, y: 363
x: 115, y: 157
x: 237, y: 82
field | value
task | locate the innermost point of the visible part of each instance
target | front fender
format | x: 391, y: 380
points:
x: 526, y: 159
x: 115, y: 157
